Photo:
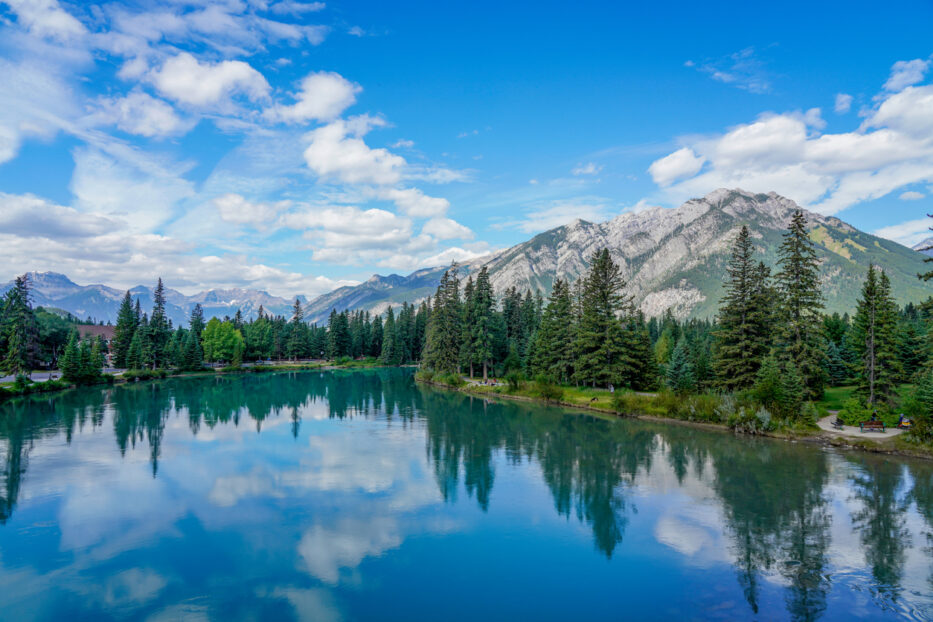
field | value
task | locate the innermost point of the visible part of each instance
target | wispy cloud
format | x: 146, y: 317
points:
x: 742, y: 69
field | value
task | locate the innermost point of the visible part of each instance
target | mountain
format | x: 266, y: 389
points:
x: 672, y: 258
x: 925, y: 247
x: 101, y: 303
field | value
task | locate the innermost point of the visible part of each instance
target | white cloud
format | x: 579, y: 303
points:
x: 338, y: 152
x: 141, y: 114
x: 843, y: 103
x: 235, y: 209
x: 323, y: 96
x: 908, y: 233
x: 828, y: 173
x: 415, y: 203
x: 402, y: 143
x: 911, y: 195
x: 290, y: 7
x: 682, y: 163
x: 30, y: 216
x: 905, y: 73
x: 185, y: 79
x: 46, y: 18
x: 446, y: 229
x: 587, y: 169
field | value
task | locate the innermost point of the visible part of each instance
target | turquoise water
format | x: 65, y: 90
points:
x: 360, y: 495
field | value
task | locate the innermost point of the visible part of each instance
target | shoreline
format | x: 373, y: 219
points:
x: 886, y: 446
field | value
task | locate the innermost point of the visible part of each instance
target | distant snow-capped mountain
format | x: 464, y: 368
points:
x: 925, y: 247
x: 101, y: 303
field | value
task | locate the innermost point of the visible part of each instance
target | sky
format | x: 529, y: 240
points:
x: 297, y: 146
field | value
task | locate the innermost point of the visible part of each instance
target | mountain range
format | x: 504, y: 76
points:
x: 671, y: 258
x: 101, y: 303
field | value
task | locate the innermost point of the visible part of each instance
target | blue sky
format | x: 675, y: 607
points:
x: 296, y: 146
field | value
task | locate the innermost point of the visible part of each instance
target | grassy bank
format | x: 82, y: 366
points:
x: 720, y: 411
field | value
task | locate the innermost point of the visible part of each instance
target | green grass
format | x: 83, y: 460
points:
x: 835, y: 397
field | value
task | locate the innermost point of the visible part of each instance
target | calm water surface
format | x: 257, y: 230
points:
x: 359, y: 495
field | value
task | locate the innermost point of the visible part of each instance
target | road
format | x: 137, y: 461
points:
x: 42, y: 376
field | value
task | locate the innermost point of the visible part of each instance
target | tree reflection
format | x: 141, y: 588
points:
x: 880, y: 522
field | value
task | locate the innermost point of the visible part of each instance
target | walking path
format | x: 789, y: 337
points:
x: 853, y: 431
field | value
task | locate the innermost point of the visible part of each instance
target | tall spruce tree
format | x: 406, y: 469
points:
x: 599, y: 341
x: 680, y: 376
x: 467, y: 349
x: 553, y: 355
x: 482, y: 332
x: 390, y: 350
x: 442, y: 341
x: 875, y: 331
x: 743, y: 339
x: 801, y: 305
x: 159, y: 330
x: 20, y: 332
x: 123, y: 331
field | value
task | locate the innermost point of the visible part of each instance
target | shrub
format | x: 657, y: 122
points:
x: 515, y: 380
x: 854, y: 411
x: 144, y: 374
x: 747, y: 421
x: 809, y: 415
x: 425, y: 375
x: 548, y: 390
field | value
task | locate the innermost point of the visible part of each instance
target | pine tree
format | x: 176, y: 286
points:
x: 553, y: 355
x: 123, y: 331
x: 298, y: 341
x: 599, y: 342
x: 875, y: 332
x: 338, y: 335
x: 159, y: 330
x: 742, y: 339
x: 134, y: 356
x: 801, y: 305
x: 193, y: 357
x: 196, y: 321
x: 468, y: 324
x: 680, y: 377
x: 19, y: 330
x: 482, y: 330
x: 836, y: 369
x: 389, y: 354
x: 68, y: 363
x: 442, y: 341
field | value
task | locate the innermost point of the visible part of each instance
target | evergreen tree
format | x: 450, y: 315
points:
x: 19, y: 330
x: 768, y: 387
x: 482, y: 330
x: 134, y: 356
x: 680, y: 377
x: 390, y: 351
x: 875, y: 332
x: 468, y: 324
x: 442, y: 341
x: 553, y: 355
x: 69, y: 363
x: 743, y: 337
x: 837, y: 371
x: 123, y: 331
x: 159, y: 329
x: 193, y: 359
x: 338, y: 344
x: 196, y: 321
x: 599, y: 341
x: 298, y: 340
x: 801, y: 304
x: 376, y: 337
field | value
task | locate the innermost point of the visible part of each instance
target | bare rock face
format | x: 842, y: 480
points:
x: 676, y: 258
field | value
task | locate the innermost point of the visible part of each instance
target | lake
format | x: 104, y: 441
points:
x: 359, y: 495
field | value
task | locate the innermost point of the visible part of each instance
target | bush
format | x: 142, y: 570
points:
x: 144, y: 374
x: 548, y: 390
x: 809, y: 415
x: 425, y: 375
x: 515, y: 380
x: 854, y: 411
x: 747, y: 421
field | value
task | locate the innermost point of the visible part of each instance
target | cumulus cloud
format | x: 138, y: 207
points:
x: 911, y: 195
x: 338, y: 152
x: 143, y: 115
x: 46, y: 18
x: 290, y: 7
x: 827, y: 173
x: 843, y: 103
x: 904, y: 73
x: 446, y: 229
x: 323, y: 96
x: 234, y: 208
x: 682, y: 163
x: 185, y: 79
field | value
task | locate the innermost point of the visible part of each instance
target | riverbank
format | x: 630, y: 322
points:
x: 656, y: 407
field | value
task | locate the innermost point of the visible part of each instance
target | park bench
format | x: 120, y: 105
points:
x: 838, y: 423
x: 867, y: 426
